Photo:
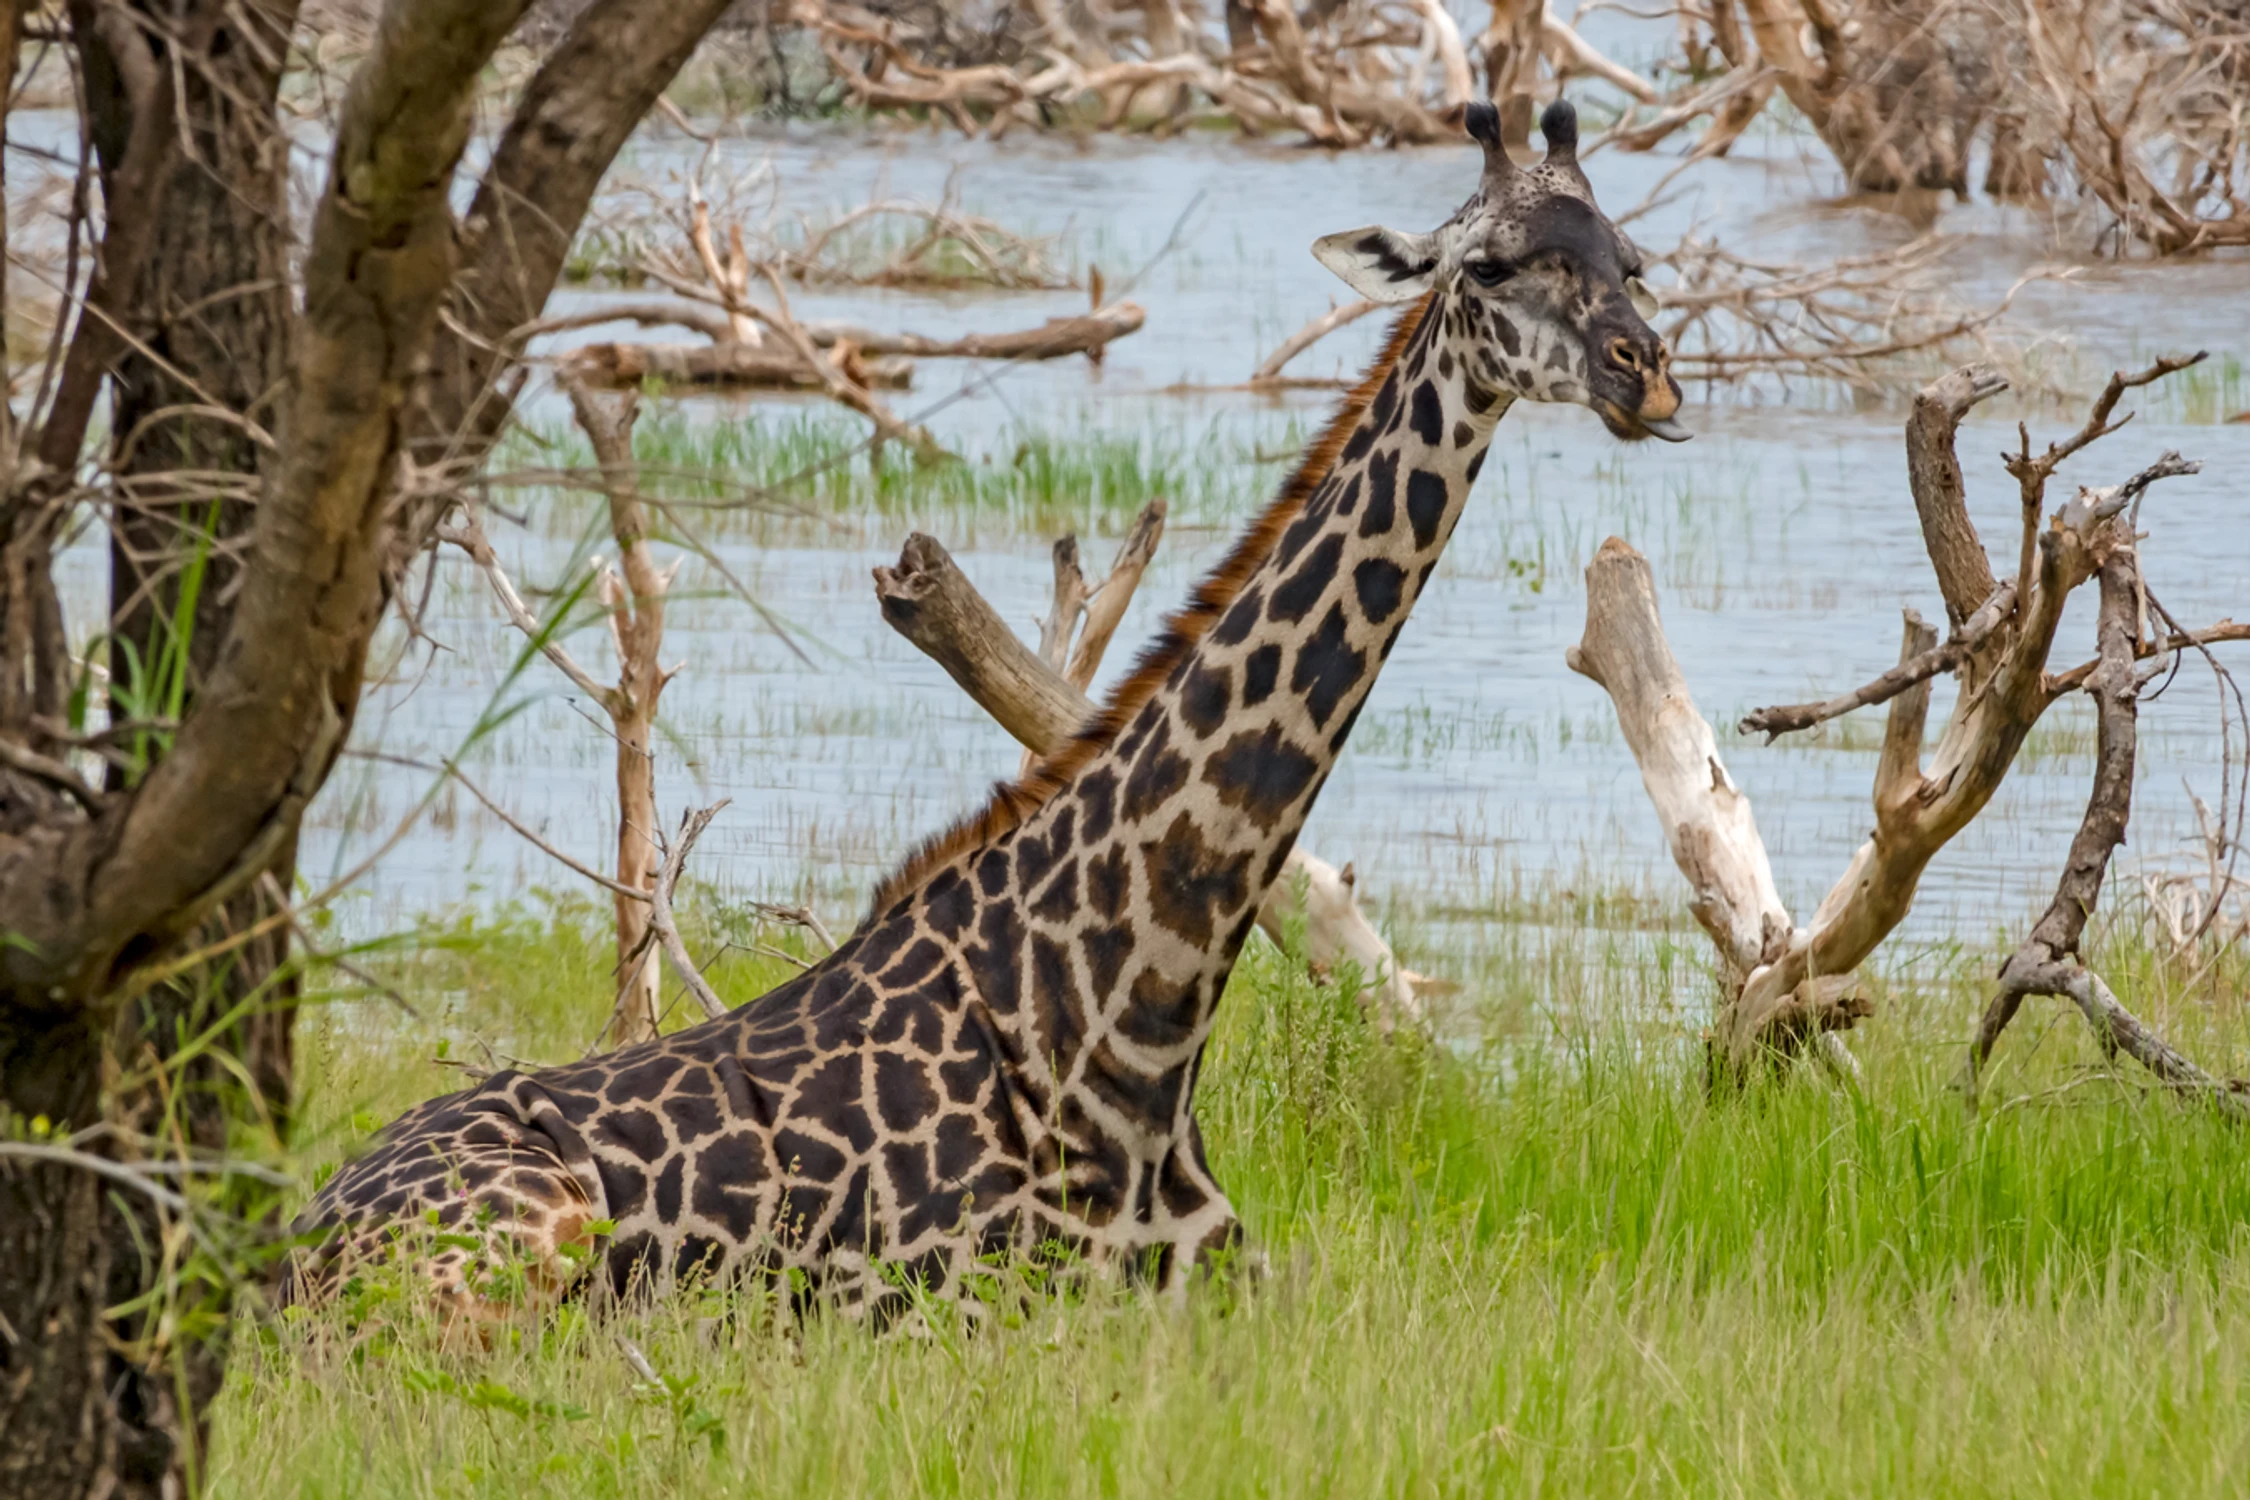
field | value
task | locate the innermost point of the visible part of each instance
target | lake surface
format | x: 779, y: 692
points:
x: 1783, y: 541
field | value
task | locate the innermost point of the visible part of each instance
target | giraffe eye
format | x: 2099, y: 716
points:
x: 1489, y: 272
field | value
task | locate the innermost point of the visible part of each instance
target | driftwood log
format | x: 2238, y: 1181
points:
x: 878, y: 361
x: 1786, y: 982
x: 928, y: 599
x: 729, y: 366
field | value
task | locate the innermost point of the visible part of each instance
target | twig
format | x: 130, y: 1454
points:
x: 638, y: 1361
x: 661, y: 922
x: 1974, y: 632
x: 1269, y: 370
x: 796, y: 916
x: 470, y: 538
x: 615, y: 888
x: 50, y: 770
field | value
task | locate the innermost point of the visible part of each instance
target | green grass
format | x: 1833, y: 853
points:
x: 733, y: 469
x: 1536, y: 1260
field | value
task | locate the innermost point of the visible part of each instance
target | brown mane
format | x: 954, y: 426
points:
x: 1011, y: 803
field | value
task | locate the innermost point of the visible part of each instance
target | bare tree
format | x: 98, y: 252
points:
x: 1785, y: 982
x: 2133, y: 106
x: 261, y: 490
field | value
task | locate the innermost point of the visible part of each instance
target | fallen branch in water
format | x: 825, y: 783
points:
x: 867, y: 353
x: 1269, y: 369
x: 722, y: 366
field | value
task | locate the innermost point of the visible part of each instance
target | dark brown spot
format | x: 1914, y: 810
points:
x: 948, y: 903
x: 1295, y: 598
x: 1107, y: 884
x: 1057, y: 1007
x: 1382, y: 495
x: 1097, y: 794
x: 1380, y: 584
x: 1205, y: 698
x: 1259, y: 772
x: 1327, y: 666
x: 1060, y: 899
x: 1191, y: 886
x: 903, y: 1095
x: 1106, y: 950
x: 1425, y: 505
x: 1157, y: 773
x: 1259, y: 669
x: 1235, y: 625
x: 1429, y: 414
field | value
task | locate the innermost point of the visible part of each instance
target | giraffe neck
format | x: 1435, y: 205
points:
x: 1129, y: 890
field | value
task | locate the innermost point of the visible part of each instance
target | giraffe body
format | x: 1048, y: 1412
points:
x: 1004, y: 1054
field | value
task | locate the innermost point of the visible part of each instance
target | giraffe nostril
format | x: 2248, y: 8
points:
x: 1622, y: 355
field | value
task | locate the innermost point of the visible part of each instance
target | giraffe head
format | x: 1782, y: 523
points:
x: 1540, y: 294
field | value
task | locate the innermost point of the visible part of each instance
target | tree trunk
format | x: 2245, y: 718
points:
x: 210, y: 313
x: 88, y: 1405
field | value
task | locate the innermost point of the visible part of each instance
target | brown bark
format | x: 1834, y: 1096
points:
x: 190, y: 400
x: 87, y: 898
x: 1964, y: 572
x: 587, y: 98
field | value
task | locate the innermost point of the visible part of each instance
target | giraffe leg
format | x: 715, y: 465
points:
x: 1200, y: 1231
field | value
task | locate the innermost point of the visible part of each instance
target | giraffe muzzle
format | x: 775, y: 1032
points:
x: 1643, y: 360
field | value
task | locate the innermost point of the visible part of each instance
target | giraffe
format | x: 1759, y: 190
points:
x: 1003, y: 1056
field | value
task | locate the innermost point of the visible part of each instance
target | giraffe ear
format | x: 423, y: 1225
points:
x: 1382, y: 265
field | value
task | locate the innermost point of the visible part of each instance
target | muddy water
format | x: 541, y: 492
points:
x: 1783, y: 541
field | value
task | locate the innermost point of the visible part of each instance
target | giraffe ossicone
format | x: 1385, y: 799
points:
x: 1004, y: 1054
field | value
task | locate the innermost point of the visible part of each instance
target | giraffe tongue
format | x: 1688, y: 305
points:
x: 1665, y: 428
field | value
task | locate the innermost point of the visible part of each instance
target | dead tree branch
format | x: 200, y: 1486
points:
x: 2042, y: 964
x: 1788, y: 982
x: 868, y: 356
x: 632, y: 596
x: 1934, y: 662
x: 661, y: 893
x: 1269, y: 369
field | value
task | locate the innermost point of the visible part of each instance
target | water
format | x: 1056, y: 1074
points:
x: 1783, y: 541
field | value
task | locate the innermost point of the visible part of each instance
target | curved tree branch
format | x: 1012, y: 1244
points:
x: 84, y: 897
